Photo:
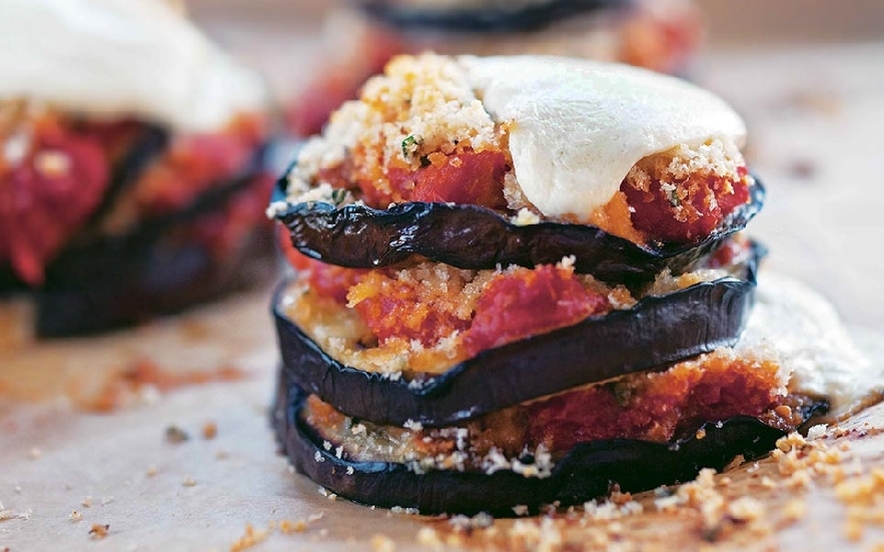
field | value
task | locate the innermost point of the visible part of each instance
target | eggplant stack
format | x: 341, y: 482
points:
x: 132, y: 179
x: 520, y: 281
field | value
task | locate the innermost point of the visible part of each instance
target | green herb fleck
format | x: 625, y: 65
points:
x: 671, y: 192
x: 338, y: 196
x: 409, y: 146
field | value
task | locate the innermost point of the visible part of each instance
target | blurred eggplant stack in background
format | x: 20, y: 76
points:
x: 131, y: 174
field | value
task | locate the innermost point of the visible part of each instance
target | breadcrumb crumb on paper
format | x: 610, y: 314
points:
x: 382, y: 543
x: 99, y: 531
x: 288, y: 526
x: 210, y: 430
x: 251, y: 538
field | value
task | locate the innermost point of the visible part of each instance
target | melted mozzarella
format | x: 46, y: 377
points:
x: 109, y: 58
x: 794, y: 326
x: 577, y: 126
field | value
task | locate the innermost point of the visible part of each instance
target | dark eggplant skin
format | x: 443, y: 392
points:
x: 130, y: 285
x: 534, y: 17
x: 473, y: 237
x: 655, y: 333
x: 148, y: 145
x: 104, y: 283
x: 10, y: 282
x: 587, y: 471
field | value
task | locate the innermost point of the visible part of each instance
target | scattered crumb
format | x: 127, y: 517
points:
x: 254, y: 536
x: 406, y: 511
x: 315, y: 517
x: 189, y: 482
x: 75, y: 516
x: 222, y: 455
x: 468, y: 524
x: 151, y: 470
x: 803, y: 168
x: 210, y: 430
x: 817, y: 432
x: 382, y: 543
x: 35, y: 453
x: 286, y: 526
x: 814, y: 101
x: 251, y: 538
x: 794, y: 510
x: 99, y: 531
x: 86, y: 502
x: 745, y: 509
x: 853, y: 530
x: 427, y: 536
x: 105, y: 500
x: 175, y: 434
x: 142, y: 382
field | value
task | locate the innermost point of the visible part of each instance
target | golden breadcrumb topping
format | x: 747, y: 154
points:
x: 419, y: 106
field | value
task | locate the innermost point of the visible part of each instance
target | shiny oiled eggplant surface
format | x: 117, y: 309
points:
x: 657, y: 331
x: 587, y: 471
x: 473, y: 237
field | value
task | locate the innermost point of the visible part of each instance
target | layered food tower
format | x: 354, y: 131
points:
x: 131, y: 179
x: 521, y: 281
x: 661, y: 35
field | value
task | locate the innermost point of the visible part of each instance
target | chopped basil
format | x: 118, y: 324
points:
x: 409, y: 146
x: 338, y: 196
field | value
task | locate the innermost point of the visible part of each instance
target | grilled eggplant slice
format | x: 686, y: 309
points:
x: 531, y: 17
x: 473, y: 237
x: 587, y: 471
x: 657, y: 331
